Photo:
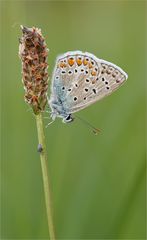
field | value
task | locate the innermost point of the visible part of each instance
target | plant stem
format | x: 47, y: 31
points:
x: 46, y: 184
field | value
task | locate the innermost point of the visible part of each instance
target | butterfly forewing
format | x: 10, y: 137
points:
x: 81, y: 79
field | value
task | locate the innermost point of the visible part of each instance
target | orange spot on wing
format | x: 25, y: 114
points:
x: 71, y: 61
x: 79, y: 62
x: 85, y: 62
x: 93, y: 73
x: 90, y: 65
x: 62, y: 64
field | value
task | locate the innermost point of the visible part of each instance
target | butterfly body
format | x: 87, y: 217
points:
x: 79, y: 80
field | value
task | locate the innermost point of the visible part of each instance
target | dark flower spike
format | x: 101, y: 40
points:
x: 33, y: 53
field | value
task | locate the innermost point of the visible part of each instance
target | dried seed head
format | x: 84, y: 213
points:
x: 33, y: 53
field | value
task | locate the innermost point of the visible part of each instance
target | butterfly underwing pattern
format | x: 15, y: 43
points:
x: 79, y: 80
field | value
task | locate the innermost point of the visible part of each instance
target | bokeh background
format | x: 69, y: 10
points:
x: 98, y: 182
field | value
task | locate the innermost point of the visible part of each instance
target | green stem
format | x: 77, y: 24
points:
x: 46, y: 184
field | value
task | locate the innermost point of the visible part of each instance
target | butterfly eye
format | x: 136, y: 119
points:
x: 69, y: 118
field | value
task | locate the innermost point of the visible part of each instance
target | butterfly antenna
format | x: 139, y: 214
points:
x: 94, y: 130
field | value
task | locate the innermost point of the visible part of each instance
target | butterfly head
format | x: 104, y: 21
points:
x: 66, y: 118
x: 57, y: 111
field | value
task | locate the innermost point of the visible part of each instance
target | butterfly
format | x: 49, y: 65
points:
x: 79, y: 80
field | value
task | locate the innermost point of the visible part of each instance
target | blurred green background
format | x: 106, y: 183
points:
x: 98, y: 182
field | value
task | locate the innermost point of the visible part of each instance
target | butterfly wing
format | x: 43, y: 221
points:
x: 81, y: 79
